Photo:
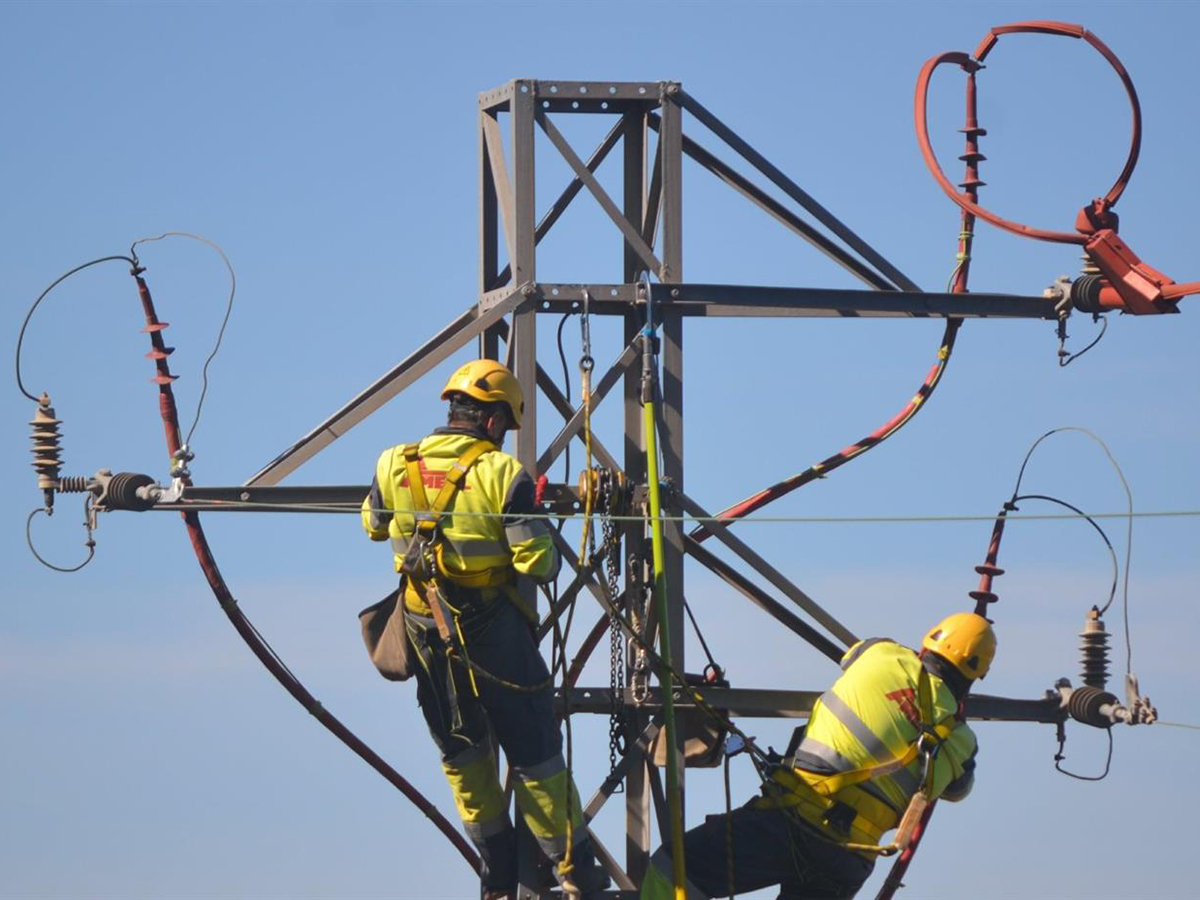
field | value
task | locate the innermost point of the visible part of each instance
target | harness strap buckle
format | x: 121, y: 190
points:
x: 840, y: 817
x: 929, y: 742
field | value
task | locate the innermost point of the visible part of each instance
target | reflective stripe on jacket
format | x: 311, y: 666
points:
x: 488, y: 525
x: 870, y: 720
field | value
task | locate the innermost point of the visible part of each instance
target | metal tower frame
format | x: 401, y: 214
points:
x: 648, y: 218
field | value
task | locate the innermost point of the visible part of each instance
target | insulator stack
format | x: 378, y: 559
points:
x: 73, y: 484
x: 47, y: 449
x: 1093, y: 647
x: 160, y: 352
x: 972, y: 157
x: 988, y: 570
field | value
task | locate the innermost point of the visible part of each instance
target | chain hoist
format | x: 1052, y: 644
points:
x: 607, y: 501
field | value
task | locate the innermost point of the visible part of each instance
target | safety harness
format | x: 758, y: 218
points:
x: 426, y: 538
x: 859, y: 813
x: 425, y: 566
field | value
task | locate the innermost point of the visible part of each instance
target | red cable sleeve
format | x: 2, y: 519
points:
x: 249, y: 634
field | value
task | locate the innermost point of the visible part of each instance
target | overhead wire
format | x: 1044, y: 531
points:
x: 42, y: 296
x: 1104, y: 537
x: 1065, y: 358
x: 90, y: 543
x: 356, y: 509
x: 1129, y: 516
x: 1059, y: 757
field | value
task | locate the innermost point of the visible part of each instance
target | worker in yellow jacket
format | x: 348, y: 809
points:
x: 890, y: 726
x: 478, y: 669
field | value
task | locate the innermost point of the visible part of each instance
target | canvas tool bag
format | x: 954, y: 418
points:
x: 383, y: 629
x: 386, y: 637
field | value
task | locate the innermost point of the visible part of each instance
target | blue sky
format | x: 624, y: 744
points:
x: 331, y: 150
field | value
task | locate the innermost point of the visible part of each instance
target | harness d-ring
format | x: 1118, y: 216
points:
x: 1096, y: 214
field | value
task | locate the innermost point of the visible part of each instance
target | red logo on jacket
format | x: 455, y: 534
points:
x: 432, y: 478
x: 906, y: 698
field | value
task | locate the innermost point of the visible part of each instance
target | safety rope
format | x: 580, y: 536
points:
x: 586, y: 542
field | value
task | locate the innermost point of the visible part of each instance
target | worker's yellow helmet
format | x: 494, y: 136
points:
x: 966, y: 641
x: 489, y: 382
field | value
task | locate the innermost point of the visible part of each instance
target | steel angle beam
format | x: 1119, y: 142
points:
x: 494, y: 147
x: 761, y: 598
x: 596, y: 585
x: 628, y: 357
x: 567, y: 411
x: 793, y: 190
x: 646, y: 92
x: 626, y: 889
x: 548, y: 387
x: 559, y: 206
x: 760, y: 565
x: 757, y: 300
x: 565, y: 600
x: 275, y: 498
x: 635, y: 753
x: 439, y: 348
x: 781, y: 213
x: 737, y: 702
x: 761, y: 301
x: 755, y: 703
x: 632, y: 233
x: 497, y: 99
x: 1006, y: 709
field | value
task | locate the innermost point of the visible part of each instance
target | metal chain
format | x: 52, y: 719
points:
x: 612, y: 547
x: 639, y: 676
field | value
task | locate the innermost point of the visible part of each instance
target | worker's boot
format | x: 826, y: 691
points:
x: 498, y: 855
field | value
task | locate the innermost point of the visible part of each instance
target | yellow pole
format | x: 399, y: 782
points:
x: 674, y: 812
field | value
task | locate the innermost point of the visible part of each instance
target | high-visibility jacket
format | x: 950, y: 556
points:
x: 487, y: 535
x: 858, y: 746
x: 849, y: 776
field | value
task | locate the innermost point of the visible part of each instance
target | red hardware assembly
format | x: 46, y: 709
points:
x: 1125, y: 282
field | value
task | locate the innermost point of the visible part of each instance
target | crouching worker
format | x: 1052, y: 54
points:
x: 459, y: 514
x: 890, y: 727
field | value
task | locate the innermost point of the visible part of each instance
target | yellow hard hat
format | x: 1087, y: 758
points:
x: 489, y: 382
x: 966, y: 640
